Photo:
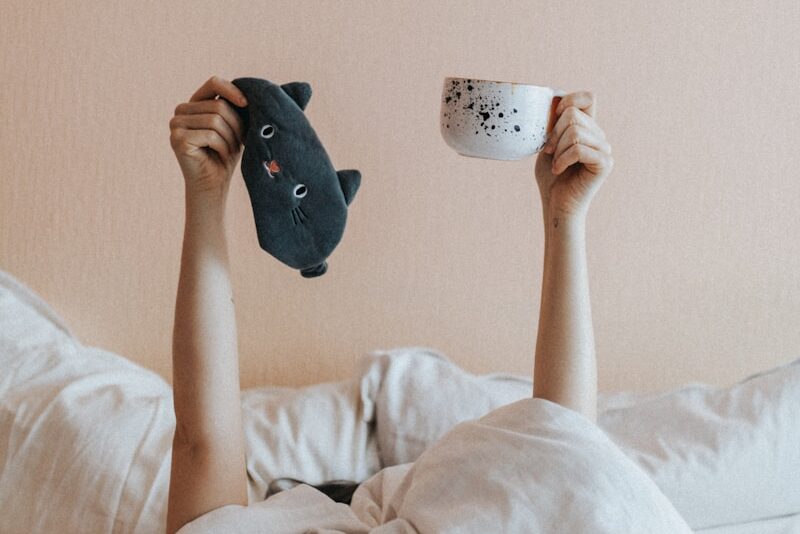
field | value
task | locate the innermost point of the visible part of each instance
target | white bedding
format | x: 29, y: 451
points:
x: 721, y: 455
x: 787, y: 524
x: 531, y: 466
x: 85, y: 440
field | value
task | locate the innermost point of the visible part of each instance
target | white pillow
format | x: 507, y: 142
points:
x: 419, y: 395
x: 84, y: 434
x: 721, y: 455
x: 314, y: 434
x: 27, y: 321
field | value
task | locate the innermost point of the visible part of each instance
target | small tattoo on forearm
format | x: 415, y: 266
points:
x: 555, y: 222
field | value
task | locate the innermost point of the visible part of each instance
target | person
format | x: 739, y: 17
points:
x: 208, y: 453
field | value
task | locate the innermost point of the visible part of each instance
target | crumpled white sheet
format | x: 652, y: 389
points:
x: 531, y: 466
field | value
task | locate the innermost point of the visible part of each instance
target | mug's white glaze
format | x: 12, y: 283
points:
x: 496, y: 120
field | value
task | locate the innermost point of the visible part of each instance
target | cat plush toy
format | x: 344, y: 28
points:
x: 299, y: 200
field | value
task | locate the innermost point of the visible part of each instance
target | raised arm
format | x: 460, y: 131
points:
x: 208, y: 457
x: 569, y: 170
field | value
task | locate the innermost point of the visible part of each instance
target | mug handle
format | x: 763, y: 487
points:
x: 557, y: 95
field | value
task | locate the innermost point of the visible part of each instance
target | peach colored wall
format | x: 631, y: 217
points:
x: 694, y: 249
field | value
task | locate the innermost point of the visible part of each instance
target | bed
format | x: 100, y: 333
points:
x: 86, y: 436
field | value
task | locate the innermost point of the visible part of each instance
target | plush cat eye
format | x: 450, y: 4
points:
x: 300, y: 190
x: 267, y: 131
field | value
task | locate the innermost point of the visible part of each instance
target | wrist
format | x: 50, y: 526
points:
x: 569, y: 210
x: 564, y: 224
x: 205, y: 215
x: 205, y: 199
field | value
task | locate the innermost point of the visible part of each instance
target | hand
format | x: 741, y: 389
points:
x: 206, y: 136
x: 576, y: 159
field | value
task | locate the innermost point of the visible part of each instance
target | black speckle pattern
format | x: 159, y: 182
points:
x: 477, y: 107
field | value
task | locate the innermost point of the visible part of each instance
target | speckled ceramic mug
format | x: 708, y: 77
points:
x: 497, y: 120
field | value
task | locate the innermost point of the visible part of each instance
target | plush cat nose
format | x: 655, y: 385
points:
x: 272, y: 167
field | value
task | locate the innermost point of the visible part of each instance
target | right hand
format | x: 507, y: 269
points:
x: 575, y: 160
x: 206, y: 136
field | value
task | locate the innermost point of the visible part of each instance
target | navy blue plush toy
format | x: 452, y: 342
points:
x: 299, y: 200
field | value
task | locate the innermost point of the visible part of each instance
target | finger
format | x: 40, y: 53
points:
x: 572, y: 116
x: 580, y: 135
x: 583, y: 100
x: 208, y: 121
x: 594, y: 160
x: 218, y: 106
x: 215, y: 86
x: 199, y: 139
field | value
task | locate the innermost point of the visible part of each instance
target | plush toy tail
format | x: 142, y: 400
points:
x: 317, y: 270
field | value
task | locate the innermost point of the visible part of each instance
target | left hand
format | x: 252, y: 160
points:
x: 576, y: 159
x: 206, y: 136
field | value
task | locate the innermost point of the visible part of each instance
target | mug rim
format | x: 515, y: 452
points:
x: 479, y: 80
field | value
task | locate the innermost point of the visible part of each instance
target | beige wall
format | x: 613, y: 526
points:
x: 694, y: 254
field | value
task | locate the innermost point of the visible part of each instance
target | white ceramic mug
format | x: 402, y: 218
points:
x: 497, y: 120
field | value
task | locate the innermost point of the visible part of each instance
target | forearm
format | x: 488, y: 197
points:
x: 565, y: 368
x: 208, y: 461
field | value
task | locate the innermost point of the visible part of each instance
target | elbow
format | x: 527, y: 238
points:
x: 175, y: 522
x: 187, y: 441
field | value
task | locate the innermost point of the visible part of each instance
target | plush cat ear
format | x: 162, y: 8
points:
x: 244, y: 115
x: 299, y: 91
x: 250, y: 87
x: 349, y: 180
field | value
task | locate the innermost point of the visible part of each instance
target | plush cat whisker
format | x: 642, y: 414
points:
x: 302, y: 213
x: 298, y: 216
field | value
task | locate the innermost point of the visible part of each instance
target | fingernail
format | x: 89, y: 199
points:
x: 242, y: 101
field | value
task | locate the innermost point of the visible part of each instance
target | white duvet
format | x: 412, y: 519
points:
x: 85, y: 439
x: 532, y: 466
